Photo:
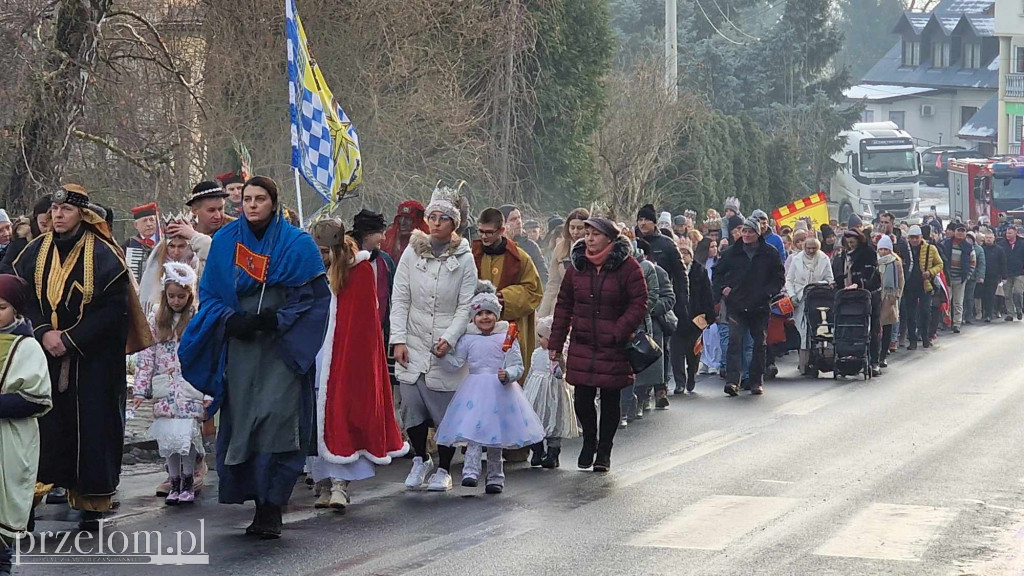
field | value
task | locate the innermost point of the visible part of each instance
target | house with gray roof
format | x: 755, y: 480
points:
x: 940, y: 80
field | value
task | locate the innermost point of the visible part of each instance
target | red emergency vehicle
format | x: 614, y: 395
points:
x: 970, y: 190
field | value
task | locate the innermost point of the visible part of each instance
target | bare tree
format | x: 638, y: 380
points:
x: 638, y: 137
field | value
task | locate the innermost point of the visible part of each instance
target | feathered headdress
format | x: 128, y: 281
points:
x: 447, y: 201
x: 485, y: 298
x: 180, y: 274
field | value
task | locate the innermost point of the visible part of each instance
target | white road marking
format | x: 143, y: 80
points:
x: 714, y: 522
x: 700, y: 445
x: 804, y: 406
x: 889, y: 532
x: 774, y: 481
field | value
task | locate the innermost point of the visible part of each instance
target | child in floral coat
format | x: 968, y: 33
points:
x: 178, y: 408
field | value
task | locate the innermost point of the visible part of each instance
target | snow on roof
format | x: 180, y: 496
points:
x: 983, y: 24
x: 982, y: 126
x: 916, y: 20
x: 947, y: 22
x: 963, y: 6
x: 883, y: 92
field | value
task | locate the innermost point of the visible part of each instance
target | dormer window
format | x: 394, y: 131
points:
x: 911, y: 53
x: 940, y: 54
x: 972, y: 55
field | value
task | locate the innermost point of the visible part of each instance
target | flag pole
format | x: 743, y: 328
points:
x: 298, y: 197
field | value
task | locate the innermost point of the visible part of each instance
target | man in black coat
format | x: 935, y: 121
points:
x: 1013, y: 245
x: 664, y: 253
x: 746, y: 278
x: 995, y: 271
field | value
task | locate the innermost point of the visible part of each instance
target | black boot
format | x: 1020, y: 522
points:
x: 538, y: 454
x: 273, y: 522
x: 256, y: 527
x: 90, y: 521
x: 551, y: 458
x: 603, y: 463
x: 586, y: 459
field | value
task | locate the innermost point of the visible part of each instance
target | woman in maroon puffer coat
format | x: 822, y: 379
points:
x: 603, y: 299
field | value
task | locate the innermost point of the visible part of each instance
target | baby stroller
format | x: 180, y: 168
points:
x: 819, y: 300
x: 852, y: 331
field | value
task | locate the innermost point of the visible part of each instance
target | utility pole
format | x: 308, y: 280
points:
x: 671, y: 50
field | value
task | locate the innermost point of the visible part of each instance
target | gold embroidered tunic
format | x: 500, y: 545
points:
x: 80, y: 286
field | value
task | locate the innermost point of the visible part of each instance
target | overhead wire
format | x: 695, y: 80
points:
x: 715, y: 28
x: 737, y: 28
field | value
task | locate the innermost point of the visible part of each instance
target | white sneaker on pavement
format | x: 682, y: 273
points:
x: 441, y: 481
x: 418, y: 475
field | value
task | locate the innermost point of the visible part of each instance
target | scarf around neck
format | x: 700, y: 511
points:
x: 599, y: 258
x: 887, y: 268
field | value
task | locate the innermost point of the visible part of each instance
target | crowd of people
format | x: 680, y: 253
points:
x: 332, y: 352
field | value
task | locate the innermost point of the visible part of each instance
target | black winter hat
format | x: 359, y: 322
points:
x: 647, y: 212
x: 368, y: 222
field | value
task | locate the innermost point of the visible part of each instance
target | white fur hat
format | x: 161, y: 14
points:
x: 180, y: 274
x: 446, y: 201
x: 544, y: 326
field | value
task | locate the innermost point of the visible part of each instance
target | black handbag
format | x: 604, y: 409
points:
x: 642, y: 351
x: 669, y: 322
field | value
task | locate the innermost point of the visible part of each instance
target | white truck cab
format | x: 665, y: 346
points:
x: 879, y: 172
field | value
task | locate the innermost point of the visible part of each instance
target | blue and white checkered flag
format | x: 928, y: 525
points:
x: 325, y: 146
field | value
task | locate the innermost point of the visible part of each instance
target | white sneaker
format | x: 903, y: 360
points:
x: 441, y: 481
x: 418, y: 475
x: 704, y: 369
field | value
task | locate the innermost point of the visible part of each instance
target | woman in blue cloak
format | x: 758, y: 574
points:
x: 264, y: 303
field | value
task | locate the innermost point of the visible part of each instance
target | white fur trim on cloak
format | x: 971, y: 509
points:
x: 327, y: 352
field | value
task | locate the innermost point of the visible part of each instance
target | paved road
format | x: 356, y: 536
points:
x: 917, y: 472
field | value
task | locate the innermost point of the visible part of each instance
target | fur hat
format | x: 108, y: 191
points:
x: 544, y: 326
x: 485, y: 298
x: 179, y: 273
x: 446, y: 201
x: 368, y: 222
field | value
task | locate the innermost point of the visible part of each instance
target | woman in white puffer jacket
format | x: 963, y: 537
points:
x: 435, y: 281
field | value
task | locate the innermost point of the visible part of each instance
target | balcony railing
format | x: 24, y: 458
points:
x: 1014, y: 149
x: 1015, y: 85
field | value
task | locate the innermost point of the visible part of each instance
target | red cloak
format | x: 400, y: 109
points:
x: 355, y: 410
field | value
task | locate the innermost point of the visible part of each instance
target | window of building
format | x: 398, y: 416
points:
x: 972, y: 55
x: 1018, y: 127
x: 966, y: 113
x: 868, y: 116
x: 900, y: 118
x: 911, y: 53
x: 1018, y: 60
x: 940, y: 54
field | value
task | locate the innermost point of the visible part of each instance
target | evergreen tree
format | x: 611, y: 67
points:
x: 574, y: 50
x: 783, y: 178
x: 866, y: 27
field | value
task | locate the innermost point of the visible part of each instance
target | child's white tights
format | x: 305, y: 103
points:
x: 495, y: 467
x: 178, y: 465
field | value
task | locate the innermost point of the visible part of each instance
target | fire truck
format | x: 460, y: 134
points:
x: 984, y: 188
